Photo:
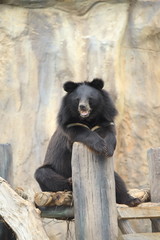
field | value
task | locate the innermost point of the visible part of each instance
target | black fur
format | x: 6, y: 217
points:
x: 88, y: 105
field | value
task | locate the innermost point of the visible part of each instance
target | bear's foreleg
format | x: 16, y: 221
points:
x: 90, y: 138
x: 108, y: 134
x: 50, y: 181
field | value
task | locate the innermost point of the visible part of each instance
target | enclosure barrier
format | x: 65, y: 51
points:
x: 94, y: 201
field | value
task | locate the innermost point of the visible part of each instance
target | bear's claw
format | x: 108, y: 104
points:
x: 133, y: 202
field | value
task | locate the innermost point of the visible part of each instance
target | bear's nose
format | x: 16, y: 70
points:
x: 82, y: 107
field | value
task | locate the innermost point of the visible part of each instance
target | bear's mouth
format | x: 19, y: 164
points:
x: 84, y: 113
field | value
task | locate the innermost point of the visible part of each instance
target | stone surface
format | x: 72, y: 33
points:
x: 139, y: 92
x: 40, y: 49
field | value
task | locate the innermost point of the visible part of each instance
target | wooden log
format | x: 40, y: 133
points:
x: 58, y: 212
x: 20, y: 214
x: 154, y: 175
x: 94, y: 195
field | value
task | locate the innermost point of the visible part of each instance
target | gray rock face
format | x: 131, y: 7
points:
x: 140, y: 98
x: 40, y: 49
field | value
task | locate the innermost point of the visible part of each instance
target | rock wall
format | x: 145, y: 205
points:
x: 139, y: 91
x: 40, y: 49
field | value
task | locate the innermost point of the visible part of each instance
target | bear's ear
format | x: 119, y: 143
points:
x: 69, y: 86
x: 97, y: 83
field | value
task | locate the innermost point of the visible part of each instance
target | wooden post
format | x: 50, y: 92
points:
x: 6, y: 173
x: 94, y: 195
x: 154, y: 175
x: 6, y: 162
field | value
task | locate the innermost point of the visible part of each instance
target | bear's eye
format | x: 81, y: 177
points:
x: 76, y: 99
x: 91, y: 99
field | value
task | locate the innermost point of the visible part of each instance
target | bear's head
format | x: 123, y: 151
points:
x: 86, y: 100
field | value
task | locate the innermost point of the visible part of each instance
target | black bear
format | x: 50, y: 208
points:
x: 86, y: 115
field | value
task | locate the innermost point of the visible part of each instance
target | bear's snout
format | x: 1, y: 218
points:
x: 84, y: 109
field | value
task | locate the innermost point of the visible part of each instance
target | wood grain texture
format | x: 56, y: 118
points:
x: 138, y: 212
x: 125, y: 227
x: 20, y: 214
x: 143, y: 211
x: 154, y: 173
x: 61, y: 213
x: 142, y: 236
x: 6, y: 173
x: 6, y: 162
x: 154, y: 176
x: 94, y: 195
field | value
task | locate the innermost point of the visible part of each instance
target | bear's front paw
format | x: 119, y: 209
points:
x: 63, y: 198
x: 133, y: 202
x: 101, y: 148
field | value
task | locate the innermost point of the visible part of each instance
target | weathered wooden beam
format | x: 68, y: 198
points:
x: 94, y: 195
x: 6, y: 173
x: 140, y: 212
x: 143, y: 211
x: 154, y: 175
x: 6, y: 162
x: 58, y: 212
x: 125, y: 227
x: 142, y: 236
x: 21, y: 215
